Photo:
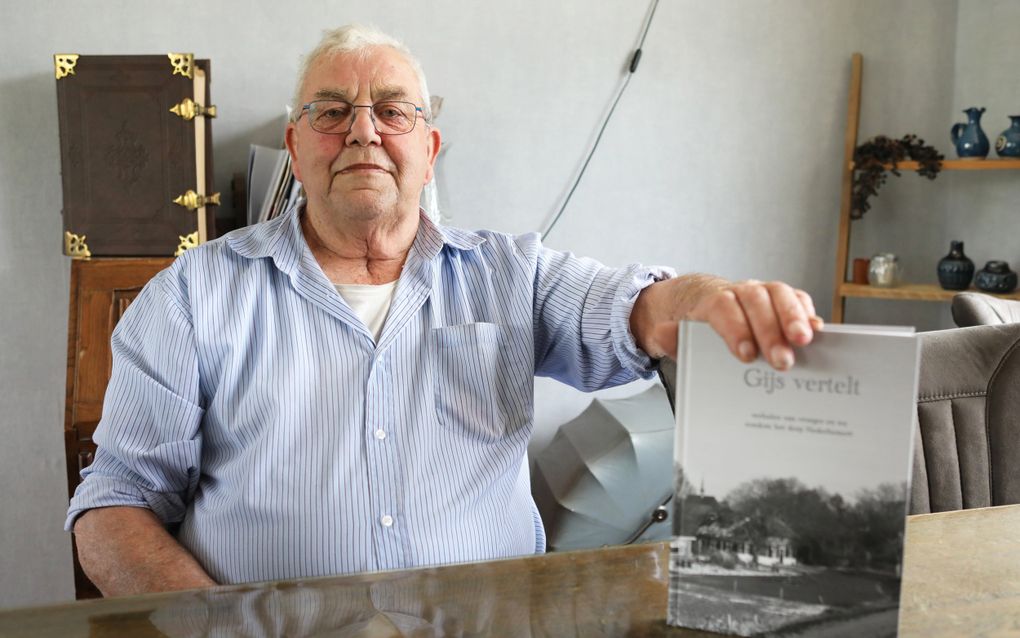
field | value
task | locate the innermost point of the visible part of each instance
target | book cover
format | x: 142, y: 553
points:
x: 127, y: 153
x: 791, y: 487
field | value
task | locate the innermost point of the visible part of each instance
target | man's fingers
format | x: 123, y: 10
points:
x: 793, y: 316
x: 759, y: 307
x: 809, y: 307
x: 806, y: 302
x: 726, y: 316
x: 752, y: 317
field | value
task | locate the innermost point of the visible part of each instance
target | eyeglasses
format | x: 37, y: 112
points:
x: 336, y: 117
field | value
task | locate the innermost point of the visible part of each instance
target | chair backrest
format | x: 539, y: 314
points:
x: 967, y: 437
x: 976, y: 309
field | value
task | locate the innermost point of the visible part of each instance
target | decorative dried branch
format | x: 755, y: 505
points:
x: 881, y: 155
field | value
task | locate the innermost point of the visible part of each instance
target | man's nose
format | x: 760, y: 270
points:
x: 363, y: 130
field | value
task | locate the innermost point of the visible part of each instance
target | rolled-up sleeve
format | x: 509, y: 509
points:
x: 148, y: 441
x: 582, y: 318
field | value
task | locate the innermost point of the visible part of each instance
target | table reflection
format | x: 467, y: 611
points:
x: 604, y: 592
x: 960, y: 577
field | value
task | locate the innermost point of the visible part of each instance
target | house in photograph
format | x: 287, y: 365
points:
x: 761, y: 541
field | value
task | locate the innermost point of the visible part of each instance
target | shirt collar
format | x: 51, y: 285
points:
x: 282, y: 239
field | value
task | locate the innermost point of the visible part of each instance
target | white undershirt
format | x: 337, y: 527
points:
x: 370, y: 303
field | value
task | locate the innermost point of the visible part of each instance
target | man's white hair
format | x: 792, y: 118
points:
x: 359, y: 40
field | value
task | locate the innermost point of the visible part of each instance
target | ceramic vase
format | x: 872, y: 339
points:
x: 955, y: 269
x: 996, y: 277
x: 971, y: 142
x: 1008, y: 142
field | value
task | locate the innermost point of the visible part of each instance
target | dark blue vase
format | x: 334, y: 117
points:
x: 971, y: 142
x: 955, y: 269
x: 996, y: 277
x: 1008, y: 143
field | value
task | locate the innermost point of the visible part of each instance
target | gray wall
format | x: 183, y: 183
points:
x: 724, y: 157
x: 982, y: 207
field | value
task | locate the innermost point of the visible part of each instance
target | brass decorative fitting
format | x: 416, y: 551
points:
x: 187, y: 242
x: 183, y: 64
x: 193, y: 201
x: 75, y: 246
x: 63, y: 64
x: 190, y: 109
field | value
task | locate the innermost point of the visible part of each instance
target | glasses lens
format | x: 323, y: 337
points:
x: 393, y: 118
x: 329, y: 116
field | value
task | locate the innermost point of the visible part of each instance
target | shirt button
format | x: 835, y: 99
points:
x: 387, y: 521
x: 380, y: 434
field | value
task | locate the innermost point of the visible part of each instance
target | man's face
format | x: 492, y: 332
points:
x: 362, y: 175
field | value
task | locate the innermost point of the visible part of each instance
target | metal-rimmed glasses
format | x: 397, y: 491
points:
x: 336, y: 117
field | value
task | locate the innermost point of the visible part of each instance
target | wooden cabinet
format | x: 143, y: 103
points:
x: 843, y: 289
x: 101, y: 290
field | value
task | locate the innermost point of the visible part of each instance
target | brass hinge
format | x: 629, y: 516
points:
x: 189, y: 109
x: 193, y: 201
x: 182, y: 63
x: 75, y: 246
x: 63, y: 64
x: 187, y: 241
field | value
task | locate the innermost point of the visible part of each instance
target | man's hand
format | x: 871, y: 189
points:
x: 751, y: 316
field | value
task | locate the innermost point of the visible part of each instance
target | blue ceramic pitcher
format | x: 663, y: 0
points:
x: 970, y: 140
x: 1008, y: 144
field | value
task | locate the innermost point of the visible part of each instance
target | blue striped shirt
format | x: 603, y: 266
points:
x: 249, y: 404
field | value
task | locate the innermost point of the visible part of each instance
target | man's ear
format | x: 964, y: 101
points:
x: 290, y: 138
x: 434, y: 143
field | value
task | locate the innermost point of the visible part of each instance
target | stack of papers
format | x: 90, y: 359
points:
x: 272, y: 188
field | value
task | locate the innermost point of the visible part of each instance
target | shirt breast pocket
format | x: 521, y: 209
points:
x: 466, y: 377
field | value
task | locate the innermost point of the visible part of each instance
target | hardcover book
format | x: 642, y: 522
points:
x: 135, y: 140
x: 791, y: 487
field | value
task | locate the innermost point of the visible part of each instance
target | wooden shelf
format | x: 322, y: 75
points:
x: 919, y: 292
x: 965, y: 165
x: 911, y: 292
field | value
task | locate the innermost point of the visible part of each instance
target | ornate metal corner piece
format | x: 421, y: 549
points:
x: 75, y: 246
x: 187, y: 242
x: 193, y: 201
x: 63, y: 64
x: 183, y: 63
x: 189, y: 109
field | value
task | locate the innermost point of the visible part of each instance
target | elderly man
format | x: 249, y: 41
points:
x: 350, y: 387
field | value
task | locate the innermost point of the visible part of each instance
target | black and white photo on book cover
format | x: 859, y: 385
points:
x: 791, y: 487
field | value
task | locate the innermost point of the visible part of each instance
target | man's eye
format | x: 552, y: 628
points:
x: 332, y: 114
x: 390, y: 112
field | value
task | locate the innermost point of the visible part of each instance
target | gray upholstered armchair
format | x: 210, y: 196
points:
x: 976, y: 309
x: 967, y: 440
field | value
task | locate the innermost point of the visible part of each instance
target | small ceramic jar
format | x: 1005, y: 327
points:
x: 996, y: 277
x: 860, y: 272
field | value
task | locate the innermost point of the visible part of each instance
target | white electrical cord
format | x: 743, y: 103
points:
x: 634, y: 60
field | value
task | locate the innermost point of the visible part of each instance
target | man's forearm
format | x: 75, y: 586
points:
x: 668, y: 301
x: 126, y: 551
